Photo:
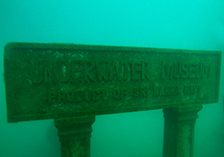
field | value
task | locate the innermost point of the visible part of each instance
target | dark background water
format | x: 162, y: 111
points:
x: 187, y: 24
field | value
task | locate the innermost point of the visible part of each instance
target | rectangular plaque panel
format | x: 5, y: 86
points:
x: 61, y: 80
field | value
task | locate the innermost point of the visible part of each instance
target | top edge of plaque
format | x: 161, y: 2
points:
x: 71, y: 46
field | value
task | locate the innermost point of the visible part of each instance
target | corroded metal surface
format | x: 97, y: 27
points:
x: 64, y: 80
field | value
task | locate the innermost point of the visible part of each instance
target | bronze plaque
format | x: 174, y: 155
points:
x: 61, y: 80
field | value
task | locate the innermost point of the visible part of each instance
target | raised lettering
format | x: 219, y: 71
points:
x: 63, y: 70
x: 136, y: 71
x: 36, y: 72
x: 102, y: 71
x: 115, y: 71
x: 178, y: 70
x: 145, y: 71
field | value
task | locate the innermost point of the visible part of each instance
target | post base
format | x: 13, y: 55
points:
x: 74, y: 134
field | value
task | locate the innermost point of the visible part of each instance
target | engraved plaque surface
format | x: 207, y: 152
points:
x: 60, y: 80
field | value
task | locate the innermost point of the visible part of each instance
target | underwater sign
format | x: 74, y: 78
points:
x: 63, y: 80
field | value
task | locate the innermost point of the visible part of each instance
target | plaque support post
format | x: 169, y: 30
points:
x: 179, y: 129
x: 74, y: 134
